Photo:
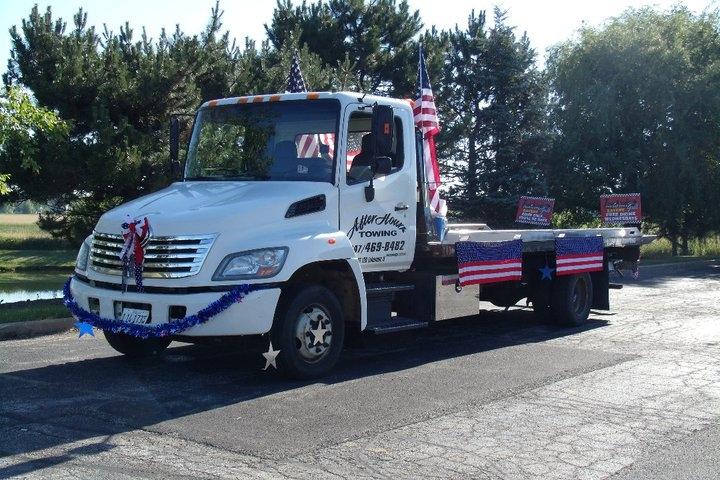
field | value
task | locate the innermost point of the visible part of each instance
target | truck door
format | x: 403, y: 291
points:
x: 382, y: 231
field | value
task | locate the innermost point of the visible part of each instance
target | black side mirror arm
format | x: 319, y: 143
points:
x: 370, y: 189
x: 174, y: 148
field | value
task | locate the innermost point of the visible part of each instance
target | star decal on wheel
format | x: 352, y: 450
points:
x: 318, y: 333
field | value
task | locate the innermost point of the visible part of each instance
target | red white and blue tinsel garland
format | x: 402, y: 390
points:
x: 162, y: 330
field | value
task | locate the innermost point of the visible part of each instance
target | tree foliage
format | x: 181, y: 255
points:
x: 493, y: 102
x: 636, y: 108
x: 117, y: 92
x: 28, y: 133
x: 632, y: 105
x: 375, y: 39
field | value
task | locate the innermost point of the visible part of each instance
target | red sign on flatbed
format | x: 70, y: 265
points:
x: 621, y: 208
x: 535, y: 211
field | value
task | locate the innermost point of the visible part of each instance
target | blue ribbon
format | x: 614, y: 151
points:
x: 162, y: 330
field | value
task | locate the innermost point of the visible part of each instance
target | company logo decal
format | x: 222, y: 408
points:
x: 363, y: 221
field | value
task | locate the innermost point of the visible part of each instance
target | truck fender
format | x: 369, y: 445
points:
x: 329, y: 247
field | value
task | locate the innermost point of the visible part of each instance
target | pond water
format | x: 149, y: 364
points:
x: 20, y: 287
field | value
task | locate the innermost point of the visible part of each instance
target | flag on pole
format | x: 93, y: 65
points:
x: 489, y: 262
x: 578, y: 255
x: 295, y: 81
x: 427, y: 121
x: 307, y: 145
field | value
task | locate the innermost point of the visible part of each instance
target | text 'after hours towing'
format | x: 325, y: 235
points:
x: 305, y: 218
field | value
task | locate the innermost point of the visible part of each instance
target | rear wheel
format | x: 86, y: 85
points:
x: 309, y: 331
x: 571, y: 299
x: 137, y: 347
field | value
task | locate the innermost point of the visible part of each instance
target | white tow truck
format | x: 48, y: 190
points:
x: 320, y: 201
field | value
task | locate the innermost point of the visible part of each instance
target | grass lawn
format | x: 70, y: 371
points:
x: 54, y: 260
x: 32, y: 311
x: 708, y: 247
x: 20, y: 231
x: 23, y: 246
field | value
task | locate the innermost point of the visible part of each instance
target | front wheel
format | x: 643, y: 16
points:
x: 134, y: 347
x: 572, y: 298
x: 309, y: 330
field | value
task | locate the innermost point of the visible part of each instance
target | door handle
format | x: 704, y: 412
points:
x: 401, y: 206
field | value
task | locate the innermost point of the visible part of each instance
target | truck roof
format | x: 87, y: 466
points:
x: 343, y: 97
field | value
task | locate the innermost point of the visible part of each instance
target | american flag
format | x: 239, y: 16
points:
x: 578, y: 255
x: 489, y: 262
x: 307, y: 145
x: 427, y: 121
x: 295, y: 81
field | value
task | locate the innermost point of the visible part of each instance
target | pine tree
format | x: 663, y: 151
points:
x: 375, y: 38
x: 493, y: 112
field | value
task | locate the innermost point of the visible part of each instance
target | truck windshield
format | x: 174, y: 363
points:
x: 290, y: 140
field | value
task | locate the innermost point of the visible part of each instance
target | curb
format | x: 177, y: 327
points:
x: 35, y: 328
x: 679, y: 264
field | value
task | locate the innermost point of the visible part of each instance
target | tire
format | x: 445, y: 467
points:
x: 134, y: 347
x: 301, y: 353
x: 571, y: 299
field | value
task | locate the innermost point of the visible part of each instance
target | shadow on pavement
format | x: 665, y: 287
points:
x: 106, y: 396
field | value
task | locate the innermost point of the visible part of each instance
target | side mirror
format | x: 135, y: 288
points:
x: 174, y: 147
x: 383, y: 166
x: 382, y: 130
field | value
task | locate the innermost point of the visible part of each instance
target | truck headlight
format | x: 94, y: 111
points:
x: 81, y: 262
x: 261, y: 263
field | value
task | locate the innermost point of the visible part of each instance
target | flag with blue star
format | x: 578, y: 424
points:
x: 84, y: 328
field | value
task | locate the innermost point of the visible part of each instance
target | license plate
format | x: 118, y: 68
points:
x: 135, y: 315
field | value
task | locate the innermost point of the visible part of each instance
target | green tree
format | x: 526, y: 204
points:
x: 492, y: 99
x: 28, y: 133
x: 116, y: 91
x: 375, y: 39
x: 636, y: 108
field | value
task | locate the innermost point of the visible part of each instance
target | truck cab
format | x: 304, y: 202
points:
x: 317, y: 202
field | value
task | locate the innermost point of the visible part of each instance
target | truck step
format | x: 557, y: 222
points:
x: 396, y: 324
x: 383, y: 288
x: 615, y: 286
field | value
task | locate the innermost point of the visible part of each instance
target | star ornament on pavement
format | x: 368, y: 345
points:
x: 318, y: 333
x: 270, y: 357
x: 84, y: 328
x: 546, y: 272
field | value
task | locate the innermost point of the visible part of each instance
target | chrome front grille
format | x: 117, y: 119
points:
x: 165, y: 257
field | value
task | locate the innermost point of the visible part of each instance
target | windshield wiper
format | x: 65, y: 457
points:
x: 229, y: 178
x: 195, y: 179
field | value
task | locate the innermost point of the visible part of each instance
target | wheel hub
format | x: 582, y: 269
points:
x: 313, y: 333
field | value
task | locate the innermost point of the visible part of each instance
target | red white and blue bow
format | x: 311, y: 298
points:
x: 136, y: 235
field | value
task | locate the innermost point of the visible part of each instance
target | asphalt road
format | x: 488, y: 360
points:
x: 633, y: 394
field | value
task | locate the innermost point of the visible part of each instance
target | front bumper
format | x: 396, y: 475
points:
x: 254, y: 315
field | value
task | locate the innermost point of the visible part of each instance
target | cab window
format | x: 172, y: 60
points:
x: 359, y: 148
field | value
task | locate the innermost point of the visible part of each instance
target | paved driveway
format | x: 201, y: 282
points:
x: 636, y: 392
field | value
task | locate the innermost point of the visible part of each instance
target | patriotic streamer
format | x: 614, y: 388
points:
x: 132, y: 255
x: 164, y: 329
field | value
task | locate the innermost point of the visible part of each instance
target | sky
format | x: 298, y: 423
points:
x: 546, y: 22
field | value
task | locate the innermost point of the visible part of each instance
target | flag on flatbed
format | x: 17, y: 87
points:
x: 427, y: 122
x: 578, y: 255
x: 489, y: 262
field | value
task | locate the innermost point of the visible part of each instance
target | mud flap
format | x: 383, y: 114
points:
x: 601, y: 289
